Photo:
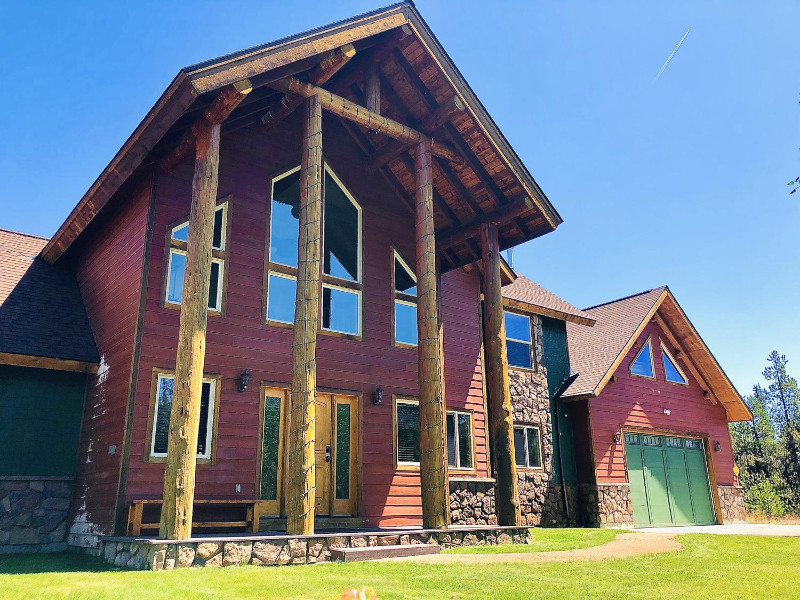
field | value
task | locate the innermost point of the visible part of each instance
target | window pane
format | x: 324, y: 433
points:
x: 407, y: 433
x: 269, y: 449
x: 403, y: 280
x: 214, y: 285
x: 534, y: 450
x: 632, y: 438
x: 340, y: 310
x: 202, y: 432
x: 342, y: 451
x: 280, y: 299
x: 405, y: 323
x: 340, y: 244
x: 181, y: 233
x: 643, y: 365
x: 164, y: 408
x: 216, y: 240
x: 451, y: 440
x: 519, y: 354
x: 284, y: 226
x: 517, y: 327
x: 177, y: 268
x: 519, y: 446
x: 671, y: 372
x: 465, y: 441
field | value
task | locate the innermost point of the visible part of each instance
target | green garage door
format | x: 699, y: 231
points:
x: 669, y: 480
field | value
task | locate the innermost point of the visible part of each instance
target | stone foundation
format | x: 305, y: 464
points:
x: 731, y: 501
x: 472, y: 502
x: 33, y: 515
x: 157, y: 555
x: 607, y: 505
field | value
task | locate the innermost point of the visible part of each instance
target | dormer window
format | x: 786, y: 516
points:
x: 672, y: 372
x: 642, y: 365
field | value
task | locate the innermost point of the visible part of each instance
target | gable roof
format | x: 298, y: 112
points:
x: 422, y: 78
x: 528, y: 295
x: 41, y: 310
x: 595, y: 353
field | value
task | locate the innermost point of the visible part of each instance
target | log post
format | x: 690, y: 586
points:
x: 301, y: 491
x: 500, y: 414
x: 176, y: 513
x: 433, y: 457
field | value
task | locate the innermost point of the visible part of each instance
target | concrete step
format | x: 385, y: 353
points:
x: 378, y: 552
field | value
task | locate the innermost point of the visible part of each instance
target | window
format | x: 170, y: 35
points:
x: 404, y: 291
x: 527, y: 447
x: 341, y: 254
x: 406, y: 418
x: 672, y: 372
x: 642, y: 365
x: 519, y: 344
x: 176, y: 268
x: 459, y: 440
x: 161, y: 409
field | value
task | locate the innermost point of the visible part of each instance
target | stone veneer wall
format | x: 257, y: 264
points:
x: 606, y: 504
x: 731, y: 500
x: 155, y: 555
x: 33, y: 515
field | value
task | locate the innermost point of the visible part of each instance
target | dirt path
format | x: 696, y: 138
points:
x: 625, y: 545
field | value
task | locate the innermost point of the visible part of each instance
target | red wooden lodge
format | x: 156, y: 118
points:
x: 282, y: 308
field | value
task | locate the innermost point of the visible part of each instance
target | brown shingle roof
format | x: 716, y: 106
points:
x: 41, y: 310
x: 523, y: 291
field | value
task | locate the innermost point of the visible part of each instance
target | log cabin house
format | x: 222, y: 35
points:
x: 282, y: 306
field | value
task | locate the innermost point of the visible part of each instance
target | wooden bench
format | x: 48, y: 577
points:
x: 217, y: 515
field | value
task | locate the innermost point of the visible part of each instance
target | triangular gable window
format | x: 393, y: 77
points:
x: 642, y: 365
x: 672, y: 371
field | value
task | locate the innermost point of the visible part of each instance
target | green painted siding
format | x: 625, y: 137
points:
x: 40, y: 421
x: 556, y: 359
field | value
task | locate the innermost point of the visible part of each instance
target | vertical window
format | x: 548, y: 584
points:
x: 341, y: 254
x: 459, y: 440
x: 176, y: 268
x: 404, y: 291
x: 161, y: 409
x: 519, y: 341
x: 406, y: 419
x: 672, y: 372
x: 343, y: 426
x: 527, y: 447
x: 642, y: 365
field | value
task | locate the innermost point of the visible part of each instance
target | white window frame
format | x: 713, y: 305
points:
x: 457, y: 466
x: 212, y: 399
x: 530, y: 343
x: 526, y: 429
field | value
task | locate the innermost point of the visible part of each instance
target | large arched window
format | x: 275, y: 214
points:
x: 341, y: 254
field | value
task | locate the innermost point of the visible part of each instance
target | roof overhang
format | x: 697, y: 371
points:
x: 45, y: 362
x: 546, y: 312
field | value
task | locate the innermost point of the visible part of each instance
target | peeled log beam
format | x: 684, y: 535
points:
x: 373, y: 89
x: 364, y: 117
x: 433, y: 456
x: 501, y: 216
x: 326, y: 69
x: 301, y: 488
x: 497, y: 388
x: 228, y: 98
x: 179, y: 475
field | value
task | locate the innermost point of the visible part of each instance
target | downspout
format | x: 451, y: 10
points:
x: 557, y: 425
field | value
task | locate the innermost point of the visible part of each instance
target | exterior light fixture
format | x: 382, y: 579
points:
x: 244, y: 380
x: 667, y: 411
x: 617, y: 437
x: 717, y: 446
x: 377, y: 395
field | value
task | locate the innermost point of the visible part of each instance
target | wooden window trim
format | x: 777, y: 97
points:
x: 267, y: 320
x: 401, y: 297
x: 218, y: 255
x: 531, y: 344
x: 526, y: 427
x: 396, y: 400
x: 461, y: 470
x: 649, y: 343
x: 665, y: 352
x: 149, y: 456
x: 273, y: 507
x: 348, y: 290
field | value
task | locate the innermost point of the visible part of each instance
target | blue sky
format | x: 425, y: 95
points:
x: 679, y: 181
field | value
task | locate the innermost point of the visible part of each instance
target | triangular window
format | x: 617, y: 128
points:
x: 642, y: 365
x: 672, y: 371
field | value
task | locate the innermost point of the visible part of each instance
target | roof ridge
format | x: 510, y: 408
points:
x: 660, y: 288
x: 30, y: 235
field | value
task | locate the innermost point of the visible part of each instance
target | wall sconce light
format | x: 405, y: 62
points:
x: 717, y: 446
x: 377, y: 395
x: 244, y: 380
x: 667, y: 412
x: 617, y: 437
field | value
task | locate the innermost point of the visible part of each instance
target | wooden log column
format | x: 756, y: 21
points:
x: 301, y: 491
x: 176, y: 514
x: 500, y: 413
x: 433, y: 452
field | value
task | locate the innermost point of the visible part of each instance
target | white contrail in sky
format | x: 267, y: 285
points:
x: 664, y: 66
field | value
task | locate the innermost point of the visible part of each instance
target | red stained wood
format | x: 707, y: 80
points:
x: 633, y: 401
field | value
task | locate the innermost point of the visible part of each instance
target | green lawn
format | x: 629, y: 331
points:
x: 547, y: 540
x: 710, y: 567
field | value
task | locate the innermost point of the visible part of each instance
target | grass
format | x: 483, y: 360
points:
x: 547, y: 540
x: 710, y: 567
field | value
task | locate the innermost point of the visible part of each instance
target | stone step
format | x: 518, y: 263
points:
x: 379, y: 552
